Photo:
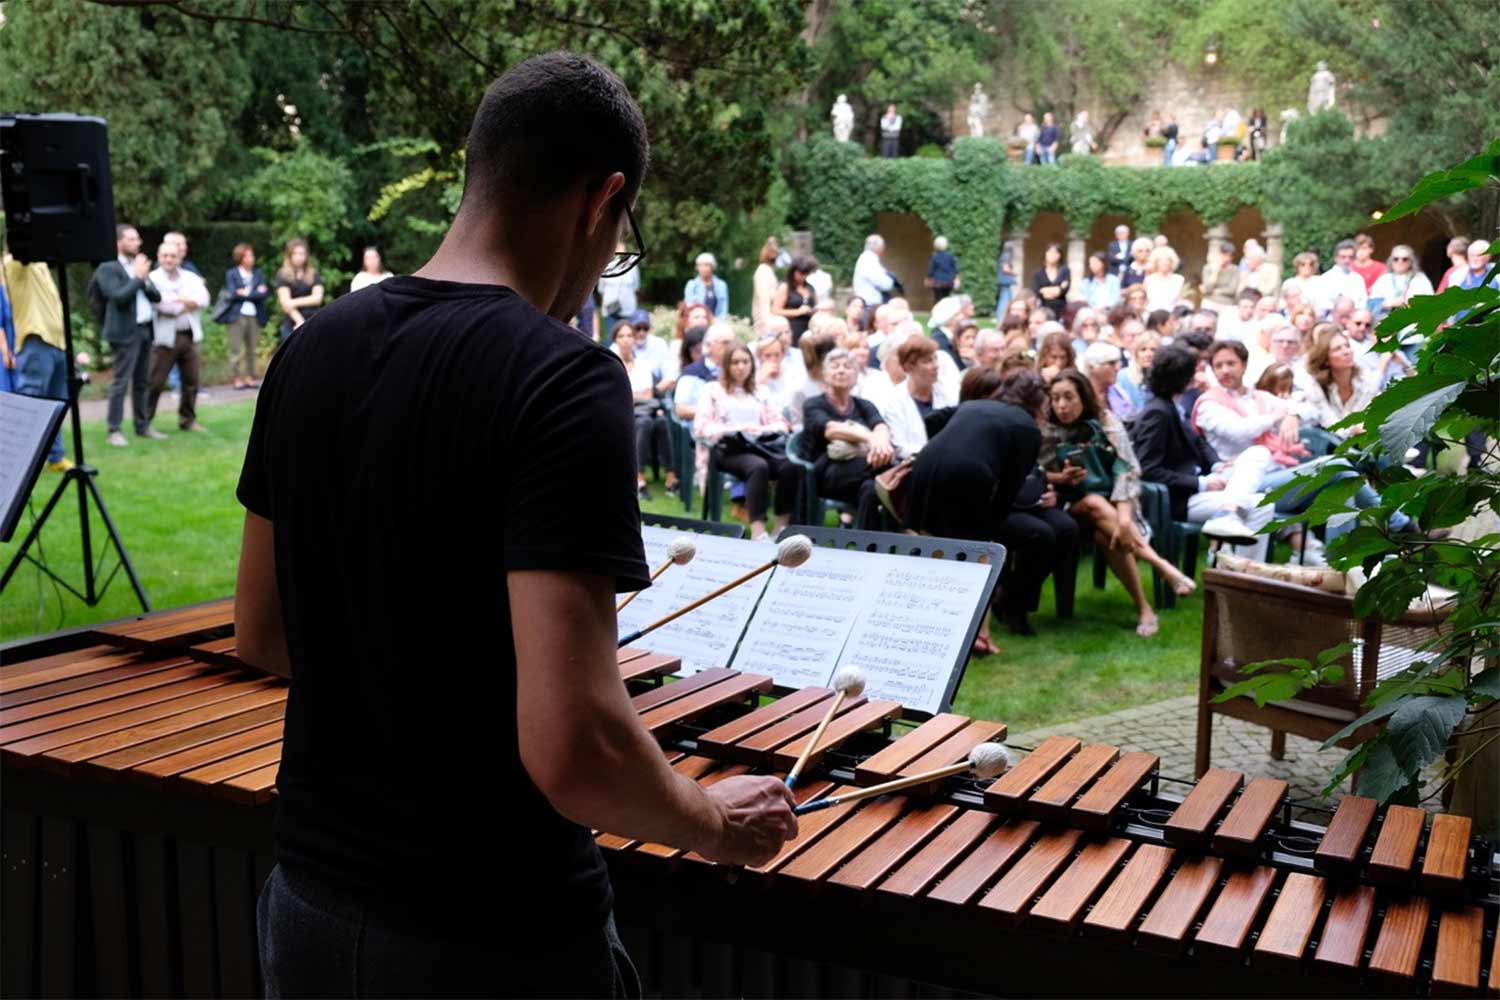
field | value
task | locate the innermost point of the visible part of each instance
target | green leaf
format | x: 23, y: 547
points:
x: 1374, y: 715
x: 1416, y: 735
x: 1264, y: 688
x: 1360, y: 544
x: 1487, y: 683
x: 1333, y: 653
x: 1427, y: 312
x: 1409, y: 424
x: 1472, y: 173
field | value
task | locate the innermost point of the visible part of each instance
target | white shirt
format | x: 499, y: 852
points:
x: 143, y: 311
x: 639, y: 368
x: 617, y: 295
x: 365, y: 278
x: 908, y: 429
x: 170, y: 317
x: 1332, y: 408
x: 1227, y: 431
x: 890, y: 124
x: 871, y: 279
x: 821, y: 282
x: 949, y: 376
x: 246, y: 308
x: 1335, y: 282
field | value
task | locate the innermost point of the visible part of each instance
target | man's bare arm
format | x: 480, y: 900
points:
x: 588, y: 753
x: 259, y: 635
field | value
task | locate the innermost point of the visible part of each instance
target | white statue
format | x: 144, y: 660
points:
x: 979, y: 110
x: 843, y: 119
x: 1288, y: 115
x: 1320, y: 90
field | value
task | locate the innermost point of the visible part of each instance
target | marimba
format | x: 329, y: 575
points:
x: 139, y: 766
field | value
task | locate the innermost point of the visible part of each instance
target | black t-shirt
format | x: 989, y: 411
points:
x: 411, y: 444
x: 818, y: 412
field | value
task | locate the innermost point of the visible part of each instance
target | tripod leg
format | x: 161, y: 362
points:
x: 114, y: 537
x: 36, y: 530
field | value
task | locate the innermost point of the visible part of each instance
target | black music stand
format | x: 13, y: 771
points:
x: 721, y: 529
x: 83, y: 474
x: 929, y: 547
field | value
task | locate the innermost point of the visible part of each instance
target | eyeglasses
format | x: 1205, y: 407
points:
x: 627, y: 260
x: 1407, y: 259
x: 1362, y: 323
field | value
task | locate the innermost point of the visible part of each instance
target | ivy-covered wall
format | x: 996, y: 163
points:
x: 1316, y: 187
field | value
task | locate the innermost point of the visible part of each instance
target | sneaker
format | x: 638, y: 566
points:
x: 195, y: 426
x: 153, y: 434
x: 61, y: 465
x: 1229, y: 527
x: 117, y: 439
x: 642, y: 492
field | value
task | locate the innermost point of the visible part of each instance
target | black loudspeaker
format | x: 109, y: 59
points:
x: 54, y: 181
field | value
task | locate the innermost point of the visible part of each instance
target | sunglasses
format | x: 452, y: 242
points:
x: 627, y: 260
x: 1366, y: 323
x: 1407, y: 259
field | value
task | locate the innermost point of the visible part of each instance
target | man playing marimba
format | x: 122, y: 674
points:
x: 440, y: 498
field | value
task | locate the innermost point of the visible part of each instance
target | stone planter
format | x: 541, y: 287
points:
x: 1015, y: 151
x: 1225, y: 150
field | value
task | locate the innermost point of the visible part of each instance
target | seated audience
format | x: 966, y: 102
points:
x: 1342, y: 387
x: 1055, y: 353
x: 1089, y: 462
x: 847, y: 439
x: 815, y: 346
x: 968, y: 332
x: 716, y: 341
x: 1399, y: 284
x: 1101, y: 289
x: 854, y: 313
x: 1134, y: 273
x: 989, y: 348
x: 1303, y: 284
x: 1101, y: 364
x: 1258, y: 272
x: 1163, y: 284
x: 651, y: 431
x: 918, y: 395
x: 740, y: 422
x: 1221, y: 278
x: 771, y: 378
x: 1085, y: 329
x: 1132, y: 381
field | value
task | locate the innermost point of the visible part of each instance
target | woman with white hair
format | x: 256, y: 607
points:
x: 942, y: 270
x: 707, y: 288
x: 1258, y: 272
x: 1399, y: 283
x: 1134, y: 273
x: 1163, y: 284
x: 1100, y: 363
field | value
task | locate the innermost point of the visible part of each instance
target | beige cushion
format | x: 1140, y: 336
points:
x: 1316, y: 577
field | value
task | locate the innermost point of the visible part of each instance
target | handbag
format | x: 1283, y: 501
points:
x: 893, y: 489
x: 771, y: 447
x: 1099, y: 461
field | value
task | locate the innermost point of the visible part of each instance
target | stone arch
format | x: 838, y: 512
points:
x: 1246, y: 224
x: 908, y: 248
x: 1100, y: 235
x: 1045, y: 228
x: 1185, y: 231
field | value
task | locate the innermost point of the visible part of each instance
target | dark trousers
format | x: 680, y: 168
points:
x: 852, y: 481
x: 652, y: 440
x: 42, y: 371
x: 184, y: 354
x: 132, y: 373
x: 941, y: 292
x: 890, y: 145
x: 1037, y: 543
x: 313, y: 943
x: 756, y: 473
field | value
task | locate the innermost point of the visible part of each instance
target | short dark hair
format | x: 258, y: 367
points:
x: 691, y: 338
x: 1171, y: 371
x: 1023, y: 388
x: 1249, y: 294
x: 1198, y: 340
x: 979, y: 383
x: 549, y: 122
x: 1240, y: 350
x: 120, y: 228
x: 1157, y: 317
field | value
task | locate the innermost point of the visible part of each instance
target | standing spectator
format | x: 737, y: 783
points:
x: 371, y: 270
x: 820, y: 281
x: 1027, y: 132
x: 1169, y: 133
x: 129, y: 295
x: 1457, y: 252
x: 1163, y: 284
x: 914, y: 400
x: 299, y: 288
x: 1257, y: 271
x: 617, y: 295
x: 1365, y: 264
x: 942, y: 270
x: 1117, y: 254
x: 1101, y: 289
x: 764, y: 285
x: 967, y: 477
x: 1047, y: 140
x: 242, y: 307
x: 890, y: 132
x: 707, y: 287
x: 1081, y: 135
x: 1134, y: 272
x: 1005, y: 279
x: 872, y: 282
x: 1256, y: 135
x: 1401, y: 281
x: 1221, y: 278
x: 177, y: 330
x: 735, y: 416
x: 794, y: 298
x: 846, y: 437
x: 652, y: 439
x: 1340, y: 280
x: 1052, y: 280
x: 38, y: 363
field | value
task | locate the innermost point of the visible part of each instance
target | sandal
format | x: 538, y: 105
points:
x: 983, y: 647
x: 1146, y: 629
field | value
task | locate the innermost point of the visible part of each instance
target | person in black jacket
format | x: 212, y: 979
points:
x: 242, y: 307
x: 1052, y: 281
x: 128, y: 295
x: 1203, y: 489
x: 966, y: 479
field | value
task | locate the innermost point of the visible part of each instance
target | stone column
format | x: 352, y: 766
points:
x: 1216, y: 234
x: 1017, y: 246
x: 1077, y: 264
x: 1275, y: 246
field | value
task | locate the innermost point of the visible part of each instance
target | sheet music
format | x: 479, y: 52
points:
x: 805, y: 617
x: 704, y: 637
x: 25, y: 432
x: 907, y: 637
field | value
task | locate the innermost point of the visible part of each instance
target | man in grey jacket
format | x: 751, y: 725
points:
x: 128, y: 297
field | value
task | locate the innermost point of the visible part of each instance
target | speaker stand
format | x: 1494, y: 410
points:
x: 83, y: 475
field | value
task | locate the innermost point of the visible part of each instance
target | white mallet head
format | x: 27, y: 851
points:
x: 793, y: 551
x: 851, y: 681
x: 989, y: 760
x: 681, y: 550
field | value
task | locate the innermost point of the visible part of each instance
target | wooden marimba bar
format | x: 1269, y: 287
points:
x: 139, y: 766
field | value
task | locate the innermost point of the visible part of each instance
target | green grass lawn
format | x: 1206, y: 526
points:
x: 174, y: 503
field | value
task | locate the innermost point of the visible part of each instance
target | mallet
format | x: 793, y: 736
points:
x: 680, y: 551
x: 792, y: 552
x: 986, y: 760
x: 847, y: 683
